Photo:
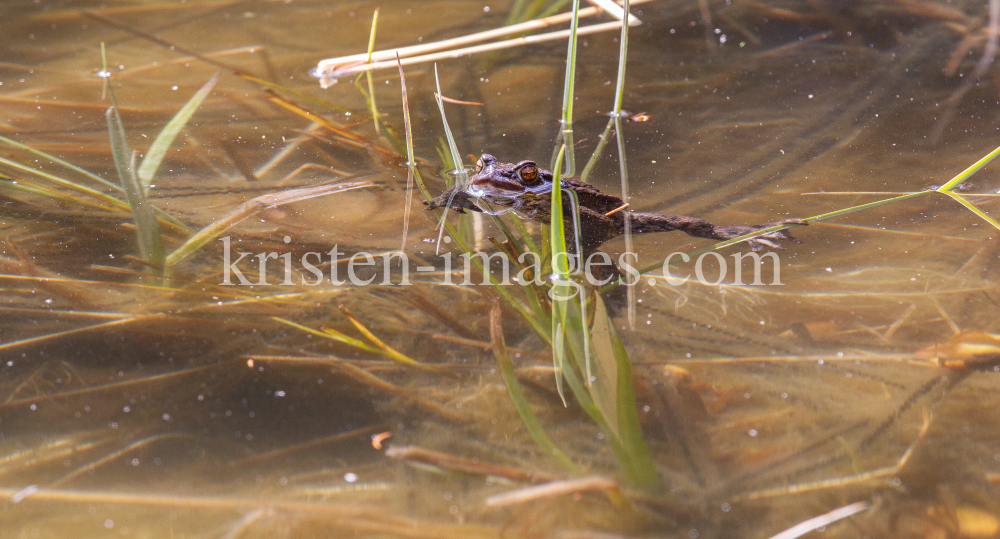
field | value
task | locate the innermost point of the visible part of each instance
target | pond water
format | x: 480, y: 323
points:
x: 143, y: 402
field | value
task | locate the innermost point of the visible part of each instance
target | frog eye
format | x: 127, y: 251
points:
x: 528, y: 174
x: 479, y: 165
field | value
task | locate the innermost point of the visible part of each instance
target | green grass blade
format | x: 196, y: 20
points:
x: 461, y: 176
x: 371, y: 85
x: 604, y: 387
x: 596, y: 156
x: 30, y: 187
x: 557, y: 231
x: 166, y: 136
x: 560, y: 271
x: 973, y: 207
x: 622, y: 54
x: 964, y: 175
x: 105, y: 199
x: 60, y: 162
x: 565, y: 136
x: 638, y: 466
x: 517, y: 398
x: 146, y: 225
x: 331, y: 334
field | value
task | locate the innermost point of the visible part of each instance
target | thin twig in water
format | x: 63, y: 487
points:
x: 453, y: 462
x: 456, y: 101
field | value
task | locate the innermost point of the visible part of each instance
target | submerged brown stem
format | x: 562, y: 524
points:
x: 470, y: 466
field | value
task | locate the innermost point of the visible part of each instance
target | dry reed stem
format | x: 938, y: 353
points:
x: 49, y: 16
x: 328, y: 70
x: 458, y: 101
x: 348, y: 137
x: 112, y: 456
x: 106, y: 387
x: 85, y: 329
x: 841, y: 481
x: 470, y: 466
x: 31, y: 459
x: 79, y: 295
x: 555, y: 488
x: 457, y: 53
x: 284, y: 451
x: 332, y: 64
x: 360, y: 519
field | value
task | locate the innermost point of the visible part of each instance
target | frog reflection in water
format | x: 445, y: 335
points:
x: 523, y: 187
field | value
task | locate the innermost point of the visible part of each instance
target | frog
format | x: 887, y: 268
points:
x: 523, y: 187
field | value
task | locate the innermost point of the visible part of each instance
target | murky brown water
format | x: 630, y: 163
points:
x: 193, y: 411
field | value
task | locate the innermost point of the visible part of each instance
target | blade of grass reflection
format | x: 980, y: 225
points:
x: 616, y: 117
x: 163, y: 43
x: 410, y: 163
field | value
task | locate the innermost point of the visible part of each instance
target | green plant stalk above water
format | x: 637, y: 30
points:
x: 565, y: 135
x: 146, y: 226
